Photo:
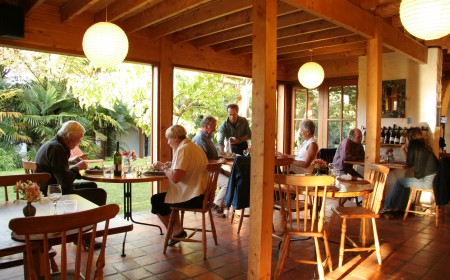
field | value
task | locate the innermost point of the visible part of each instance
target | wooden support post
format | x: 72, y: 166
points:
x: 263, y: 138
x: 164, y: 107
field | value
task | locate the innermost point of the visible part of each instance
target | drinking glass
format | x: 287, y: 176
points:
x: 54, y: 193
x: 107, y: 171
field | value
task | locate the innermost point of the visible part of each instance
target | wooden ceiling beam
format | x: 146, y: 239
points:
x: 309, y: 27
x: 29, y: 5
x: 316, y: 36
x: 205, y: 13
x: 323, y: 57
x: 120, y: 10
x: 163, y: 10
x: 325, y: 51
x: 305, y: 44
x: 228, y: 22
x: 363, y: 23
x: 224, y: 36
x: 321, y: 44
x: 232, y: 21
x: 237, y: 43
x: 74, y: 8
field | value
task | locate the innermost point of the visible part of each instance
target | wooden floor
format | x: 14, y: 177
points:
x: 411, y: 250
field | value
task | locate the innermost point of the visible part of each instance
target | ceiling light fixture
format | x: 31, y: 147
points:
x: 311, y: 74
x: 105, y: 44
x: 426, y: 19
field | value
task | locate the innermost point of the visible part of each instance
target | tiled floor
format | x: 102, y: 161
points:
x: 411, y: 250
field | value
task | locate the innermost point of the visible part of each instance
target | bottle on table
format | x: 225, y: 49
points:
x: 397, y: 135
x: 383, y: 134
x: 117, y: 162
x: 392, y: 135
x: 387, y: 135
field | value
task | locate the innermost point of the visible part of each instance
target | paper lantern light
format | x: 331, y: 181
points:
x: 105, y: 44
x: 426, y: 19
x: 311, y: 75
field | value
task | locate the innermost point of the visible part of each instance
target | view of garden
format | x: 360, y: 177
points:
x: 40, y: 91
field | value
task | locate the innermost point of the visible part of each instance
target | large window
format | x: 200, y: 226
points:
x: 306, y: 106
x: 332, y: 109
x: 341, y: 113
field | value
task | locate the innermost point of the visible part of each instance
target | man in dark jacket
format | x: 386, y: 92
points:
x: 53, y: 158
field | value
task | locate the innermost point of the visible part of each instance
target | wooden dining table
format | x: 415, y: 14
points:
x: 44, y: 207
x: 127, y: 192
x: 393, y: 165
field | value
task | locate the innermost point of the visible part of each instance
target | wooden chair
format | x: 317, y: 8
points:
x: 306, y: 224
x: 11, y: 180
x: 419, y: 208
x: 29, y: 166
x: 208, y: 203
x: 69, y: 227
x: 370, y: 209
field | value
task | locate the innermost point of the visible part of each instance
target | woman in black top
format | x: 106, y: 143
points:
x: 419, y: 156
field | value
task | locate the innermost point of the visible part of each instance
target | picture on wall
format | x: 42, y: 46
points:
x: 394, y: 95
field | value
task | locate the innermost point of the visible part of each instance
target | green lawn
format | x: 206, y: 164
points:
x: 140, y: 200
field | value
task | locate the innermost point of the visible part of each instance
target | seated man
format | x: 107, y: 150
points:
x: 53, y: 158
x: 350, y: 149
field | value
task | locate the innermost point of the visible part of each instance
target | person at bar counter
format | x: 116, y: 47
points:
x: 425, y: 163
x: 53, y: 158
x: 236, y: 129
x: 203, y: 137
x: 307, y: 151
x: 188, y: 178
x: 350, y: 149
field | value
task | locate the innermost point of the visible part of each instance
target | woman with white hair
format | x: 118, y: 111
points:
x: 188, y: 179
x: 307, y: 151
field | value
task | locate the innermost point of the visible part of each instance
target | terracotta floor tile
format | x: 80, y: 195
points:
x: 414, y: 249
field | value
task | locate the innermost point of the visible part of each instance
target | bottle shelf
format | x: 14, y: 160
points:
x: 390, y: 145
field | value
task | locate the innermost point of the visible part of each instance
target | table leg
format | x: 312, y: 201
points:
x: 128, y: 212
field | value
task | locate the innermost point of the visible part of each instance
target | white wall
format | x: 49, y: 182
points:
x: 421, y: 87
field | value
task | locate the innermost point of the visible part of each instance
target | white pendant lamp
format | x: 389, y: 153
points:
x: 105, y: 44
x: 311, y: 74
x: 426, y: 19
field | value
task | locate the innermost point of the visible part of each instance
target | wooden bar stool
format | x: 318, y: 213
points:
x: 419, y: 208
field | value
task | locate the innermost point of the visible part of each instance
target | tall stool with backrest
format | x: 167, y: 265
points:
x: 369, y: 210
x: 11, y: 180
x: 208, y: 203
x: 70, y: 227
x: 310, y: 224
x: 426, y: 209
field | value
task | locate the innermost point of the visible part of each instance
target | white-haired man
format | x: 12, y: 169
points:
x: 53, y: 158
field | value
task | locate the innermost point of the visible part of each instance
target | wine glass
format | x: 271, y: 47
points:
x: 54, y: 193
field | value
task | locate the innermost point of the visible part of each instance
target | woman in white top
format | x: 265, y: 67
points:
x: 188, y: 178
x: 308, y: 150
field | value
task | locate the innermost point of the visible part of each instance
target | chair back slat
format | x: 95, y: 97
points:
x: 377, y: 177
x: 69, y: 227
x: 314, y: 189
x: 210, y: 192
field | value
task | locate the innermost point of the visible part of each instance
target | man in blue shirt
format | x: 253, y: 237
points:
x: 236, y: 129
x: 203, y: 137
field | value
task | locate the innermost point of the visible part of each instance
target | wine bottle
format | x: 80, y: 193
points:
x: 403, y: 136
x: 383, y: 134
x: 117, y: 162
x: 397, y: 135
x: 392, y: 135
x: 386, y: 136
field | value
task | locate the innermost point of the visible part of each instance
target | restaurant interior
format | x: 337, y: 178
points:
x: 358, y: 43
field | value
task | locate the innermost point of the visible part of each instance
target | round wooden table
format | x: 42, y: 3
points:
x: 127, y: 193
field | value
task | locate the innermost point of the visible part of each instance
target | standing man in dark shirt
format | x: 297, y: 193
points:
x: 53, y: 158
x: 236, y: 130
x: 203, y: 137
x: 349, y: 149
